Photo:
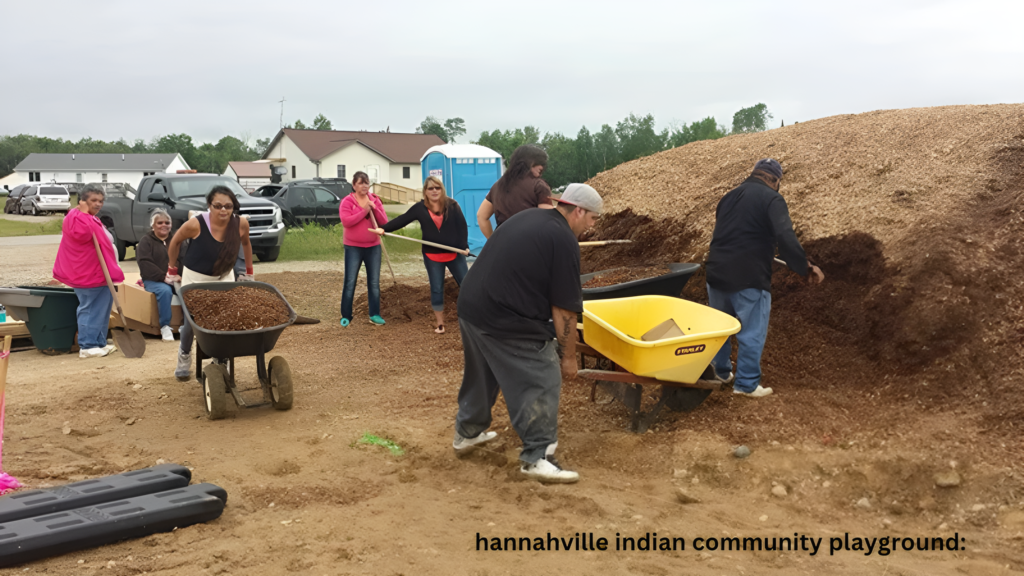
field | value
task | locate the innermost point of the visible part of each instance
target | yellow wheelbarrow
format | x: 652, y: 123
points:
x: 624, y: 363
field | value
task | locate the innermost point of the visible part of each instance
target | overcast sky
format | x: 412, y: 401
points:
x: 131, y: 69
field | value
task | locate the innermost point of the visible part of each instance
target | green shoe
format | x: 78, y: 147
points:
x: 344, y: 322
x: 377, y: 320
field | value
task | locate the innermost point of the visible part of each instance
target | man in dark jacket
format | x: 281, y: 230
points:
x: 750, y: 222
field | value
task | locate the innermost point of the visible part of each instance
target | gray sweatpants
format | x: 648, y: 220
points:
x: 529, y: 376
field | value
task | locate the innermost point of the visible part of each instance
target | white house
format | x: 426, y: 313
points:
x: 250, y: 175
x: 84, y: 168
x: 384, y: 156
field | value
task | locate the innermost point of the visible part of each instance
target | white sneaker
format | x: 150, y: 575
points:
x: 109, y: 348
x: 92, y: 352
x: 544, y: 470
x: 184, y: 369
x: 464, y: 445
x: 166, y: 334
x: 758, y: 392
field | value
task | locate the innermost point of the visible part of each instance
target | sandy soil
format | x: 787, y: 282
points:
x: 306, y: 497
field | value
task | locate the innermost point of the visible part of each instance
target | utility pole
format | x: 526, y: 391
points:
x: 282, y: 112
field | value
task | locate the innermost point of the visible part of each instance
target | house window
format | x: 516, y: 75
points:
x: 144, y: 174
x: 293, y: 171
x: 78, y: 177
x: 34, y: 177
x: 405, y: 172
x: 341, y: 171
x: 103, y: 177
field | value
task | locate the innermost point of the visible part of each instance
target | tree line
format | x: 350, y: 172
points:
x: 208, y: 157
x: 578, y: 159
x: 570, y: 159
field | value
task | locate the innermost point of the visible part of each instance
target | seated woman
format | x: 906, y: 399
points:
x: 78, y: 266
x: 442, y: 222
x: 151, y: 254
x: 216, y: 236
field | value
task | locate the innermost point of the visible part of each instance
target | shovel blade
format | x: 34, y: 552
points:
x: 131, y: 343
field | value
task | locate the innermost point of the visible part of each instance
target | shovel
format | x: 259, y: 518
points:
x: 7, y: 482
x: 393, y: 277
x: 131, y: 343
x: 385, y: 250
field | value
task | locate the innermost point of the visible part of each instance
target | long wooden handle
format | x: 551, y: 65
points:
x: 106, y: 274
x: 6, y: 357
x: 383, y: 249
x: 428, y: 243
x: 604, y: 242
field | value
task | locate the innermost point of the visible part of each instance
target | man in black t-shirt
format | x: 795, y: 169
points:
x: 523, y: 293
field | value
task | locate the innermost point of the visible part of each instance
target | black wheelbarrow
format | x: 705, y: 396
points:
x: 670, y: 284
x: 218, y: 379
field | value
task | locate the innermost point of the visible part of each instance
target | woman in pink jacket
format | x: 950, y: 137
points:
x: 78, y: 267
x: 358, y: 210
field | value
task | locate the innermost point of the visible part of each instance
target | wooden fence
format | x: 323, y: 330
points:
x: 397, y: 193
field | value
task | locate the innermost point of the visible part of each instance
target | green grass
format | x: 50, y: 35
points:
x: 373, y: 439
x: 314, y: 242
x: 19, y: 228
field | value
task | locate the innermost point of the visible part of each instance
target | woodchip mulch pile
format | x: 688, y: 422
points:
x: 890, y: 173
x: 916, y: 217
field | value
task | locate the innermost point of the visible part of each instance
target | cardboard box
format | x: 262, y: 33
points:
x: 663, y: 331
x: 140, y: 309
x: 137, y: 304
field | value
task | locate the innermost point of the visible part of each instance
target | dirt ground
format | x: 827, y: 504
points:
x: 305, y: 497
x: 900, y: 374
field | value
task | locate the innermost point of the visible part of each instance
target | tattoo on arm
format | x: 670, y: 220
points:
x: 565, y: 335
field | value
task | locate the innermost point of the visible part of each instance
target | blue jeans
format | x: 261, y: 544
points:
x: 94, y: 305
x: 751, y: 307
x: 163, y: 292
x: 435, y: 272
x: 355, y: 257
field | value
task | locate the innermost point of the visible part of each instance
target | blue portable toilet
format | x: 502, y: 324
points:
x: 468, y: 172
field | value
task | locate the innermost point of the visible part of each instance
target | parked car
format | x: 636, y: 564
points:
x: 302, y: 202
x: 339, y: 186
x: 13, y: 203
x: 45, y: 198
x: 126, y: 214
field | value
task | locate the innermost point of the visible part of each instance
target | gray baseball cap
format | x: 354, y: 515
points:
x: 583, y: 196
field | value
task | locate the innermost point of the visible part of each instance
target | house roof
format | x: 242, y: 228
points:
x: 96, y: 162
x: 251, y: 169
x: 462, y: 151
x: 396, y: 147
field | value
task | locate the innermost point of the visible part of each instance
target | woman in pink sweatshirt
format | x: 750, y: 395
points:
x: 360, y: 213
x: 78, y: 267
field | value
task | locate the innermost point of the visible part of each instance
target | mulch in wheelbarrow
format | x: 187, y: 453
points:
x: 626, y: 274
x: 237, y: 309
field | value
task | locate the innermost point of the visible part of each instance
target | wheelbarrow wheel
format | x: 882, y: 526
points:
x: 280, y: 383
x: 685, y: 399
x: 215, y: 391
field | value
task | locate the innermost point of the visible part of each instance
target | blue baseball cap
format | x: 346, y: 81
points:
x: 770, y: 166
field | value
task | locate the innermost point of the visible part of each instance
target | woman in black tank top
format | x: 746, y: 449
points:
x: 209, y: 259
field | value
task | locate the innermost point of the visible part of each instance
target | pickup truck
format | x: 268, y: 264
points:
x: 126, y: 215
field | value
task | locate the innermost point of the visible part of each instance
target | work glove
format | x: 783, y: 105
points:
x: 172, y: 279
x: 246, y: 278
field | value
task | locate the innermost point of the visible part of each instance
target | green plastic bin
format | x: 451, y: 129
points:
x: 49, y: 313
